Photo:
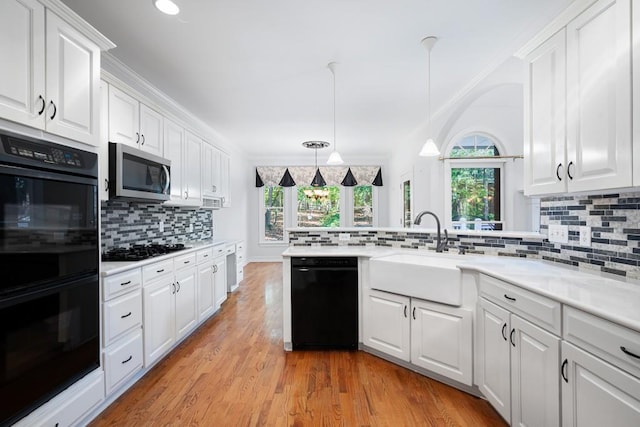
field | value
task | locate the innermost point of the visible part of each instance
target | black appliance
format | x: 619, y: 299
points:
x: 140, y: 252
x: 137, y: 175
x: 324, y: 303
x: 49, y: 258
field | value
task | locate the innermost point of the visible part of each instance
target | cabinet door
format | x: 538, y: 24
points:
x: 599, y: 97
x: 596, y: 393
x: 186, y: 311
x: 535, y: 376
x: 225, y: 180
x: 124, y: 118
x: 103, y: 181
x: 22, y: 85
x: 73, y: 82
x: 206, y: 303
x: 207, y: 170
x: 493, y: 356
x: 387, y: 326
x: 215, y: 169
x: 635, y: 50
x: 159, y: 318
x: 174, y: 150
x: 151, y: 131
x: 441, y: 339
x: 220, y: 281
x: 544, y: 105
x: 192, y: 165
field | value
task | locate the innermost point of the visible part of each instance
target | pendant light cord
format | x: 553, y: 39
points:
x: 429, y: 92
x: 335, y: 144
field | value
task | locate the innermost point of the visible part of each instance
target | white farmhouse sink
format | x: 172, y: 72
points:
x: 433, y: 276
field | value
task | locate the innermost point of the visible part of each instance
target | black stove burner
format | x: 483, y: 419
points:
x: 140, y: 252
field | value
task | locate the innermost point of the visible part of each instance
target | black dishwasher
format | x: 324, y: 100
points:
x: 324, y: 303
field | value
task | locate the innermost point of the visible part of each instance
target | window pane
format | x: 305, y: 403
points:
x: 474, y: 146
x: 475, y: 194
x: 363, y: 206
x: 406, y: 203
x: 319, y: 206
x: 273, y: 214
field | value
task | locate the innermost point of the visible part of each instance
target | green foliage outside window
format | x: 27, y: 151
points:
x: 319, y: 206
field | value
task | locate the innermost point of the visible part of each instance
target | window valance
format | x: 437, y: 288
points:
x: 347, y: 176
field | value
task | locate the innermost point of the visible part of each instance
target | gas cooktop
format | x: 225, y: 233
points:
x: 140, y: 252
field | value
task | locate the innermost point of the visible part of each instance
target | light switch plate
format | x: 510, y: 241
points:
x: 161, y: 226
x: 344, y: 237
x: 585, y: 236
x: 558, y: 233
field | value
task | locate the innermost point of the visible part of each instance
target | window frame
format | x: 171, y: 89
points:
x: 453, y: 163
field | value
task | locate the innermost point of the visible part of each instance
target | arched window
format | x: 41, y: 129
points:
x: 473, y: 183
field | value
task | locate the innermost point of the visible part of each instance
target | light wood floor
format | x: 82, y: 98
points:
x: 233, y: 371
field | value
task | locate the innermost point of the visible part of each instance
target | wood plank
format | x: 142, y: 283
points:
x: 233, y: 371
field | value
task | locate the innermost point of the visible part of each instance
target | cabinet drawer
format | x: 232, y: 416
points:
x: 542, y: 311
x: 121, y: 283
x: 204, y: 255
x: 122, y: 360
x: 157, y: 269
x: 603, y: 338
x: 240, y: 274
x: 121, y: 315
x: 218, y: 250
x: 230, y: 249
x: 184, y: 261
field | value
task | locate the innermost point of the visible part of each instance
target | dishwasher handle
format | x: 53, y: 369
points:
x: 302, y: 269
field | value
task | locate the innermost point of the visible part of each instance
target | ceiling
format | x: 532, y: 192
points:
x: 256, y: 71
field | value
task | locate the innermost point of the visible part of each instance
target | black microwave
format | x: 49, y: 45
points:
x: 137, y: 175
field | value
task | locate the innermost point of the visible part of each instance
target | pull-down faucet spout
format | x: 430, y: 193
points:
x: 440, y: 244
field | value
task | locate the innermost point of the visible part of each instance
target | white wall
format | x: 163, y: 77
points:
x: 495, y: 107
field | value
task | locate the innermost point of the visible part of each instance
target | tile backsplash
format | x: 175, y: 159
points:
x: 615, y: 235
x: 127, y: 223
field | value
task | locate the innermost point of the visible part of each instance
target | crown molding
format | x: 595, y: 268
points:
x: 75, y: 20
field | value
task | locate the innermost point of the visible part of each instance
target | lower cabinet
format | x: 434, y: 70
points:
x: 518, y: 367
x: 220, y: 279
x: 170, y: 311
x: 206, y: 301
x: 432, y: 336
x: 122, y: 360
x: 596, y: 393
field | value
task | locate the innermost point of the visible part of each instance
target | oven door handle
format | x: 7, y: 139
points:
x: 39, y: 174
x: 167, y: 176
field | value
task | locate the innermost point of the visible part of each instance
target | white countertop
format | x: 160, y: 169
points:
x: 115, y: 267
x: 605, y: 295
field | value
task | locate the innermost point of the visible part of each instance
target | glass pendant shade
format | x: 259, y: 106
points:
x: 335, y: 159
x: 429, y: 149
x: 166, y: 6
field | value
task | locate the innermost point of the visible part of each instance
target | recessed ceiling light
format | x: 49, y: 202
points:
x: 166, y: 6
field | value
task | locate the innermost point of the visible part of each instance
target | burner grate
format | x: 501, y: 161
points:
x: 140, y: 252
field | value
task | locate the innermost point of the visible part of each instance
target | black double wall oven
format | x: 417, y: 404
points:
x: 49, y: 284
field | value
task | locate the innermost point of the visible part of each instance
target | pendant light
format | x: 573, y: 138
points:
x: 166, y: 6
x: 334, y: 158
x: 318, y: 180
x: 429, y: 149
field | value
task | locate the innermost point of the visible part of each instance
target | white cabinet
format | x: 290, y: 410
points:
x: 133, y: 123
x: 192, y: 168
x: 595, y: 393
x: 545, y: 123
x: 441, y: 339
x: 22, y: 85
x: 183, y: 149
x: 432, y: 336
x: 170, y: 305
x: 52, y: 82
x: 220, y: 279
x: 103, y: 144
x: 185, y: 295
x: 517, y: 361
x: 225, y: 179
x: 206, y: 298
x: 122, y: 327
x: 598, y: 104
x: 635, y: 50
x: 215, y: 174
x: 159, y: 317
x: 387, y: 327
x: 599, y: 97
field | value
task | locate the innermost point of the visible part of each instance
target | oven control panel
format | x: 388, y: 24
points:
x: 42, y: 153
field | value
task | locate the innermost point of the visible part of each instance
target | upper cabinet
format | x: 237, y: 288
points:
x: 595, y: 150
x: 215, y: 174
x: 52, y: 80
x: 183, y: 148
x: 133, y: 123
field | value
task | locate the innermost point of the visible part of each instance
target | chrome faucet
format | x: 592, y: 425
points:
x: 440, y: 244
